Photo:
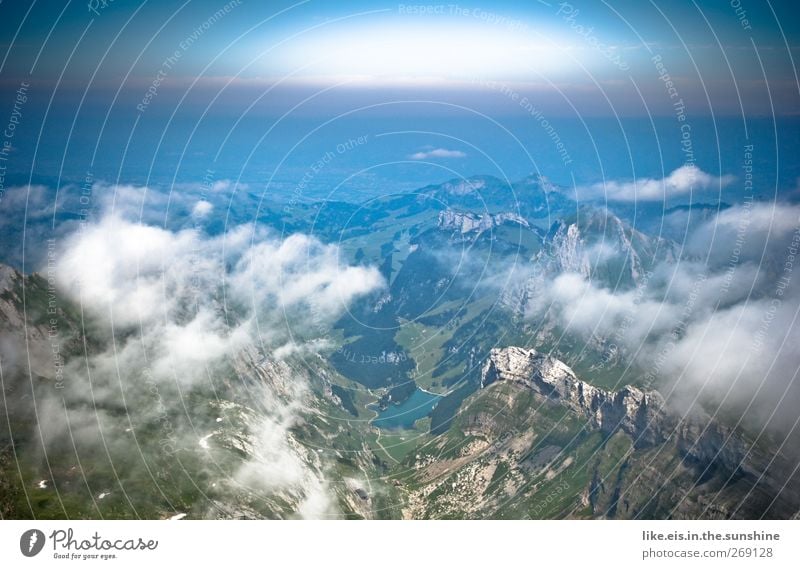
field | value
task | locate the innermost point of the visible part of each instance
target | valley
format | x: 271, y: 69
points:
x: 469, y: 384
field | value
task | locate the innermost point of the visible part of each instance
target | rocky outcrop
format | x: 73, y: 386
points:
x: 40, y: 327
x: 568, y: 251
x: 651, y: 463
x: 578, y: 247
x: 640, y: 414
x: 467, y: 222
x: 600, y: 245
x: 8, y: 278
x: 463, y: 187
x: 702, y: 442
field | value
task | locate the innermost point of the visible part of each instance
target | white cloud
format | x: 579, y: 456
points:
x: 278, y: 462
x: 437, y: 153
x: 202, y: 208
x: 221, y: 186
x: 300, y: 271
x: 159, y: 295
x: 20, y: 201
x: 721, y: 329
x: 128, y: 275
x: 586, y: 309
x: 684, y: 180
x: 178, y: 205
x: 292, y: 348
x: 132, y: 273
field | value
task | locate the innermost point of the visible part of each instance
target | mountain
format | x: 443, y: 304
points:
x: 265, y: 439
x: 538, y: 442
x: 467, y: 222
x: 533, y: 198
x: 598, y: 245
x: 506, y: 411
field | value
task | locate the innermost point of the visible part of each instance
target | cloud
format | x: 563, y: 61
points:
x: 684, y: 180
x: 202, y: 208
x: 28, y: 211
x: 300, y: 270
x: 166, y: 284
x: 279, y: 462
x: 185, y: 315
x: 437, y: 153
x: 221, y: 186
x: 180, y: 205
x: 717, y: 326
x: 584, y: 308
x: 21, y: 201
x: 133, y: 273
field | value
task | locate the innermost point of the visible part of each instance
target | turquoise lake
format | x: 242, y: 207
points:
x: 403, y: 416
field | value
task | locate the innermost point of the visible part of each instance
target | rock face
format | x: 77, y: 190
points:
x: 645, y: 416
x: 579, y: 247
x: 568, y: 251
x: 613, y: 454
x: 466, y: 222
x: 8, y: 278
x: 640, y: 414
x: 28, y: 328
x: 463, y: 187
x: 600, y: 245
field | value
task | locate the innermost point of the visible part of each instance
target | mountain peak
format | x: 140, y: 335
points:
x: 468, y: 222
x: 638, y: 413
x: 8, y: 276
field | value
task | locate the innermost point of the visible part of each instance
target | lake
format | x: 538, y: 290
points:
x: 403, y: 416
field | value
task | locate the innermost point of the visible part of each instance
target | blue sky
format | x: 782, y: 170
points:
x: 596, y: 56
x: 159, y: 91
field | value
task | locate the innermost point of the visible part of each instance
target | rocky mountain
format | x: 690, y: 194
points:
x: 641, y: 415
x: 602, y: 252
x: 598, y: 245
x: 538, y: 442
x: 468, y: 222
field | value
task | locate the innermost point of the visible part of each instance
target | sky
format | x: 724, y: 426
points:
x: 599, y: 57
x: 161, y: 92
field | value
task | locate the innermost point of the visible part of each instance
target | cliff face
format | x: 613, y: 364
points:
x: 644, y: 416
x: 639, y: 414
x: 538, y: 442
x: 463, y: 187
x: 466, y: 222
x: 600, y: 246
x: 568, y: 251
